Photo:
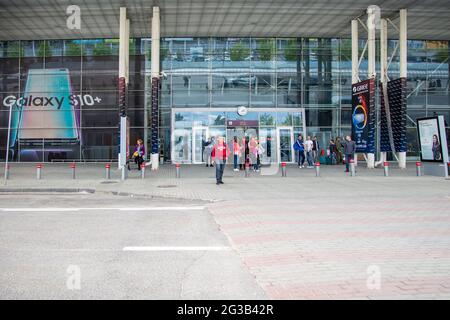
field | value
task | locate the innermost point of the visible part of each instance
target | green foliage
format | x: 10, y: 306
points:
x: 14, y: 50
x: 101, y: 49
x: 441, y: 55
x: 266, y: 50
x: 44, y: 49
x: 291, y: 50
x: 72, y: 49
x: 239, y: 52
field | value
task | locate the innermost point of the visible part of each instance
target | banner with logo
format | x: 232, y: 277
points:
x: 397, y: 115
x: 363, y: 116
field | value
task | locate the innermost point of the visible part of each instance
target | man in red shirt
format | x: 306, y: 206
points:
x: 219, y: 156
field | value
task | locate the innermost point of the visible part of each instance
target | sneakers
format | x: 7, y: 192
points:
x: 235, y: 170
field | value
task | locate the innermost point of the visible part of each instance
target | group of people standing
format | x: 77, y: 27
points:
x: 338, y: 151
x: 249, y: 150
x: 308, y: 150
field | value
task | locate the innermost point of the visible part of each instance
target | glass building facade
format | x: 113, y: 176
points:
x: 288, y: 86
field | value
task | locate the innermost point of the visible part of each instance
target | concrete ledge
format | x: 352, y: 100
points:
x: 56, y: 190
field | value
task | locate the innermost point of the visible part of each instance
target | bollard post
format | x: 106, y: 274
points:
x: 418, y: 169
x: 386, y: 168
x: 177, y: 170
x: 108, y: 171
x: 72, y: 166
x: 123, y: 173
x: 38, y: 171
x: 143, y: 171
x: 317, y: 167
x: 7, y: 171
x: 283, y: 169
x: 352, y: 168
x: 247, y: 169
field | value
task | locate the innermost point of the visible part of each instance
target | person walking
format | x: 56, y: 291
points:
x: 219, y: 156
x: 316, y: 149
x: 349, y: 148
x: 309, y: 152
x: 236, y: 153
x: 138, y: 153
x: 300, y: 150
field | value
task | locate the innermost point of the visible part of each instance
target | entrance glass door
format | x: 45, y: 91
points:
x: 243, y: 135
x: 268, y: 140
x: 200, y: 136
x: 285, y: 144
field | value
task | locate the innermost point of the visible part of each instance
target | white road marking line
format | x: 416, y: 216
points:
x: 102, y: 209
x: 176, y: 248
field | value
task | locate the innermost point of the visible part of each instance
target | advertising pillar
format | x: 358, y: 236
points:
x: 363, y: 116
x: 155, y: 88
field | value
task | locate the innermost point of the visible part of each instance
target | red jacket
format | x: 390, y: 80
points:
x: 220, y: 152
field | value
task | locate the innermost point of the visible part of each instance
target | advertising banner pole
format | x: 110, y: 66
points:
x: 155, y: 60
x: 7, y: 144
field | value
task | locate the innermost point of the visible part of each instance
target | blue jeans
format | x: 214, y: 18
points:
x: 309, y: 158
x: 235, y: 158
x: 219, y: 171
x: 348, y: 157
x: 301, y: 157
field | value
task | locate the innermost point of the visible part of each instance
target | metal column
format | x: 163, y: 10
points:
x: 371, y: 72
x: 383, y: 72
x: 155, y: 88
x: 124, y: 39
x: 355, y: 58
x: 403, y: 38
x: 355, y: 53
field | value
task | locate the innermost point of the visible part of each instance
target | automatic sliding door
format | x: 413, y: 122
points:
x: 200, y: 136
x: 285, y: 149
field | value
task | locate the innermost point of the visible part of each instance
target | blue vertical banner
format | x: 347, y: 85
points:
x: 397, y: 108
x: 363, y: 116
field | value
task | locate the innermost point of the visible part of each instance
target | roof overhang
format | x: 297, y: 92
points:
x: 46, y: 19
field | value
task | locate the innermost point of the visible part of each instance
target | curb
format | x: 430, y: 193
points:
x: 55, y: 190
x: 92, y: 191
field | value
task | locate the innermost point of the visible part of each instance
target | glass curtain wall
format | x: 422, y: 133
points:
x: 214, y: 73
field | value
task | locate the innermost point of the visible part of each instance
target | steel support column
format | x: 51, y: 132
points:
x: 383, y: 74
x: 371, y: 72
x: 403, y: 45
x: 124, y: 39
x: 355, y: 60
x: 155, y: 88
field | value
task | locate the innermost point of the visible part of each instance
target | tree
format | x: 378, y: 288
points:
x: 291, y: 50
x: 101, y: 49
x: 44, y: 49
x: 266, y: 50
x: 239, y: 52
x: 73, y: 49
x: 14, y: 49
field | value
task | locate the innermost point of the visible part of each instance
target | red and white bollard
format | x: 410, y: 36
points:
x: 143, y: 171
x: 418, y: 169
x: 72, y: 167
x: 177, y: 170
x: 283, y: 169
x: 317, y: 167
x: 38, y: 171
x: 108, y: 171
x: 7, y: 167
x: 386, y: 168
